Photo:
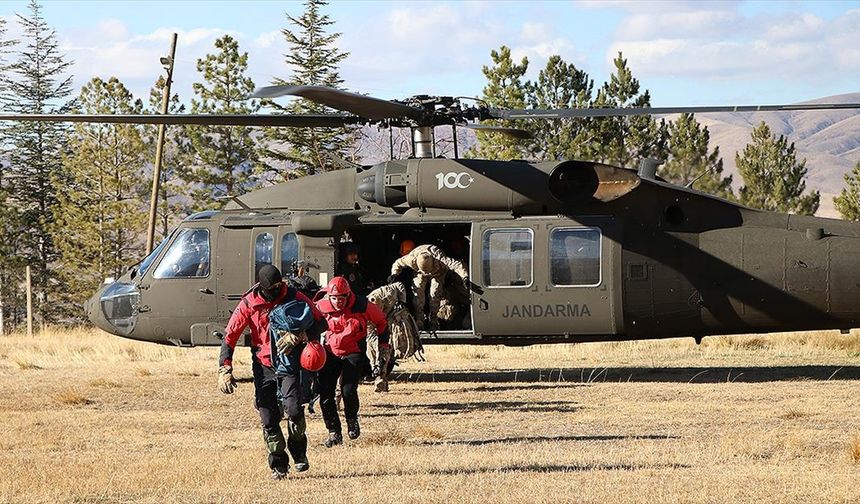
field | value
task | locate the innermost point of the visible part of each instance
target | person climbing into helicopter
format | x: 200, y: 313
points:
x: 348, y: 316
x: 348, y: 267
x: 253, y: 312
x: 430, y: 265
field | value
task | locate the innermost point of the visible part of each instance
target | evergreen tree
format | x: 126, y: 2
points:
x: 225, y: 157
x: 8, y: 283
x: 690, y: 159
x: 173, y: 205
x: 316, y: 61
x: 505, y: 89
x: 773, y: 177
x: 6, y: 46
x: 848, y: 201
x: 100, y: 216
x: 624, y: 141
x: 559, y: 85
x: 38, y: 85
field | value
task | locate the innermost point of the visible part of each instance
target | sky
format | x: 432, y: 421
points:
x: 686, y: 53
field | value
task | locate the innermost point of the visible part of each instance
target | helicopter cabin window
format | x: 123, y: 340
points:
x: 506, y: 257
x: 289, y: 252
x: 187, y: 257
x: 575, y: 256
x: 264, y: 251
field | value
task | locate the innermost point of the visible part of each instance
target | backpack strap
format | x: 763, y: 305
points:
x: 360, y: 305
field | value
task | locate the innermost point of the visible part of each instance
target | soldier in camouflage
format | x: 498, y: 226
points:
x: 430, y: 265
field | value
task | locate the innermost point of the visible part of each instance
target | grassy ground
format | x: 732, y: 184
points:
x: 88, y: 417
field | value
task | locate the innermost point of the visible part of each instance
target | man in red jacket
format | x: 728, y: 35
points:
x: 347, y: 315
x: 253, y: 312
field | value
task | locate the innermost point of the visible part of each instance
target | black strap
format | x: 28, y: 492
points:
x: 360, y: 305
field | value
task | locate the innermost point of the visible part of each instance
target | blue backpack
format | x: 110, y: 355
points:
x: 294, y: 316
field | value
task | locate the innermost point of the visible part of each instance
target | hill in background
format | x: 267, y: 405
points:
x: 828, y: 139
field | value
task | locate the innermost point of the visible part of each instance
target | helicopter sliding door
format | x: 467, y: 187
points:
x: 545, y: 277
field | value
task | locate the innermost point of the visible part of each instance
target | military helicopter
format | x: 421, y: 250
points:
x: 560, y: 251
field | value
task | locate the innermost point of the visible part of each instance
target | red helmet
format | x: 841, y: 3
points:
x: 313, y: 356
x: 338, y: 286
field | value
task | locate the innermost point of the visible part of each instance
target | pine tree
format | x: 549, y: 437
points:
x: 294, y: 152
x: 624, y: 141
x: 848, y: 201
x: 505, y: 89
x: 173, y: 205
x: 225, y: 157
x: 773, y: 177
x: 38, y: 86
x: 8, y: 290
x: 559, y: 85
x: 101, y: 214
x: 689, y: 158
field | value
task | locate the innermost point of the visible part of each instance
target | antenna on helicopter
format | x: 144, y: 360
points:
x: 648, y: 168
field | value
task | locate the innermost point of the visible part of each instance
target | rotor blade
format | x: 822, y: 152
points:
x: 512, y: 132
x: 295, y: 120
x: 364, y: 106
x: 613, y: 112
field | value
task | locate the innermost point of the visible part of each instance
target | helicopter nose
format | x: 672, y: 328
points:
x: 95, y: 314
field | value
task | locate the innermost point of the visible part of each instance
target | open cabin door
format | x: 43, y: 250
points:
x: 546, y: 277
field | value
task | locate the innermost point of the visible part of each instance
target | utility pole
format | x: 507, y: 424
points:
x: 159, y: 148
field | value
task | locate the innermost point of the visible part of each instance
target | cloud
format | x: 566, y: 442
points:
x: 727, y: 44
x: 694, y: 24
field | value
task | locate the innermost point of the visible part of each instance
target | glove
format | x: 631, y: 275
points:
x: 391, y: 279
x: 289, y: 340
x: 226, y: 382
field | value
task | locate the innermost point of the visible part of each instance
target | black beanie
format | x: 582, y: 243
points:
x: 268, y: 276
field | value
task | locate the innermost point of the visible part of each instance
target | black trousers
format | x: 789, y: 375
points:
x: 350, y: 367
x: 266, y: 385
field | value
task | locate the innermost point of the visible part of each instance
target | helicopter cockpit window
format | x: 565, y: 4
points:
x: 575, y: 257
x: 187, y: 257
x: 147, y: 261
x: 506, y: 257
x: 264, y: 251
x: 289, y: 252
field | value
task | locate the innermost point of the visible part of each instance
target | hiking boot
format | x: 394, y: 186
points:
x: 334, y: 438
x: 302, y: 466
x: 277, y: 474
x: 353, y: 429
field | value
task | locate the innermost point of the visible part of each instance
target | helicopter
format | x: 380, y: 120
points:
x: 558, y: 251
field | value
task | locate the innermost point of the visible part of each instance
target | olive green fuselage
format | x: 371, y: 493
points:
x: 556, y: 252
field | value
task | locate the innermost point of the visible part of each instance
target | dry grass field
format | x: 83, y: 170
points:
x: 90, y: 418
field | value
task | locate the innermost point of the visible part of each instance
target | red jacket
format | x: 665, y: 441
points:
x: 253, y: 311
x: 346, y: 328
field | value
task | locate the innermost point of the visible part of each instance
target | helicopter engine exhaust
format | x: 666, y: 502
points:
x: 480, y: 185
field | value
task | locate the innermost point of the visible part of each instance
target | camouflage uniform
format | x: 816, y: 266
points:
x: 430, y: 265
x: 386, y: 298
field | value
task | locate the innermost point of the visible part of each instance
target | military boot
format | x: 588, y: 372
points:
x: 353, y: 430
x: 334, y: 438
